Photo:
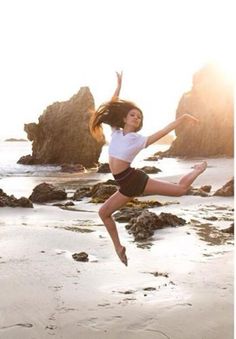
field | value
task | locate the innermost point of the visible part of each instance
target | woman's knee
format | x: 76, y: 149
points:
x: 103, y: 212
x: 182, y: 190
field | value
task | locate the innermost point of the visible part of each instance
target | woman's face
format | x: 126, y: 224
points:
x: 133, y: 119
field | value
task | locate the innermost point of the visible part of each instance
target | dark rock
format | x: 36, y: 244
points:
x: 101, y: 192
x: 206, y: 188
x: 111, y: 182
x: 46, y: 192
x: 211, y: 100
x: 134, y: 208
x: 143, y: 226
x: 26, y: 160
x: 62, y: 135
x: 11, y: 201
x: 15, y: 139
x: 104, y: 168
x: 150, y: 169
x: 197, y: 191
x: 160, y: 274
x: 211, y: 218
x: 149, y: 289
x: 227, y: 190
x: 82, y: 256
x: 153, y: 158
x: 81, y: 192
x: 126, y: 214
x: 69, y: 203
x: 71, y: 168
x: 143, y: 204
x: 25, y: 202
x: 229, y: 229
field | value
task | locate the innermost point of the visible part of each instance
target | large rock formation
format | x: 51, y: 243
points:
x: 210, y: 100
x: 62, y: 134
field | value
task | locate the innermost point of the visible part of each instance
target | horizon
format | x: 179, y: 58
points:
x: 51, y: 49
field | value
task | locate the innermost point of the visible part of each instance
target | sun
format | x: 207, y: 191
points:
x: 227, y: 64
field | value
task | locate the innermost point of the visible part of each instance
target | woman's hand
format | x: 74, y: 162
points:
x: 119, y: 79
x: 118, y: 88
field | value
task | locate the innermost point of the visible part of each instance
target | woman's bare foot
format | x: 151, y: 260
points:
x: 200, y: 167
x: 122, y: 255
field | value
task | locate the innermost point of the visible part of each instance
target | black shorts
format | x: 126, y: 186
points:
x: 132, y: 182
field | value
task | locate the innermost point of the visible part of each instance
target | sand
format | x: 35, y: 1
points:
x: 178, y: 287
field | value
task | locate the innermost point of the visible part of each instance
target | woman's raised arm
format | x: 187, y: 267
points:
x: 118, y: 88
x: 185, y: 118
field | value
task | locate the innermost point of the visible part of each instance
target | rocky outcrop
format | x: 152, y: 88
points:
x: 62, y: 135
x: 227, y: 190
x: 146, y: 223
x: 101, y: 192
x: 211, y: 101
x: 46, y: 192
x: 11, y: 201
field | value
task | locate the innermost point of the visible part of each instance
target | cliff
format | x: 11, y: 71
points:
x: 211, y: 101
x: 62, y: 134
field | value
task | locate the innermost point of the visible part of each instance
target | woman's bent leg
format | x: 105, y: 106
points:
x: 166, y: 188
x: 116, y: 201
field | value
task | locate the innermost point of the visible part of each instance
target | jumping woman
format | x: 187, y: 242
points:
x: 126, y: 119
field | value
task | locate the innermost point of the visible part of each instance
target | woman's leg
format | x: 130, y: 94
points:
x: 166, y: 188
x: 116, y: 201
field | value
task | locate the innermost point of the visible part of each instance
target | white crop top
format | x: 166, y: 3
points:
x: 126, y: 147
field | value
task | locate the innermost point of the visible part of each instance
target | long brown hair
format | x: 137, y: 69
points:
x: 112, y: 113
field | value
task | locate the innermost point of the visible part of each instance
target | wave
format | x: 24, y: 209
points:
x: 8, y: 170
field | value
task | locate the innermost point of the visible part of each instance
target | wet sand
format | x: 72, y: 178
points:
x: 178, y: 286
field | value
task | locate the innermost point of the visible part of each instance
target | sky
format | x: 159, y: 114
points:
x: 51, y: 48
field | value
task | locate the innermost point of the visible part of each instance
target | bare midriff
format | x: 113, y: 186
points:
x: 117, y: 166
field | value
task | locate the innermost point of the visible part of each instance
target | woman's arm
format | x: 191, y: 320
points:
x: 170, y: 127
x: 118, y: 88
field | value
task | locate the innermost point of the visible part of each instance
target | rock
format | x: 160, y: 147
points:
x: 82, y: 256
x: 143, y: 204
x: 143, y: 226
x: 62, y: 135
x: 126, y: 214
x: 111, y: 182
x: 153, y: 158
x: 227, y: 190
x: 15, y: 139
x: 101, y: 192
x: 150, y: 169
x: 11, y: 201
x: 46, y: 192
x: 71, y: 168
x: 229, y: 229
x: 24, y: 202
x: 211, y: 100
x: 69, y: 203
x: 197, y: 191
x: 206, y: 188
x: 104, y: 168
x: 134, y: 208
x: 26, y: 160
x: 81, y: 192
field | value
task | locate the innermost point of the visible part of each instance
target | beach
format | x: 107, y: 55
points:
x: 178, y: 286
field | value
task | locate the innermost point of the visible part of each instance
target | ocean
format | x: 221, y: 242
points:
x: 20, y: 180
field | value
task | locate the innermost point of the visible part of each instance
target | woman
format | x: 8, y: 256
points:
x: 126, y: 120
